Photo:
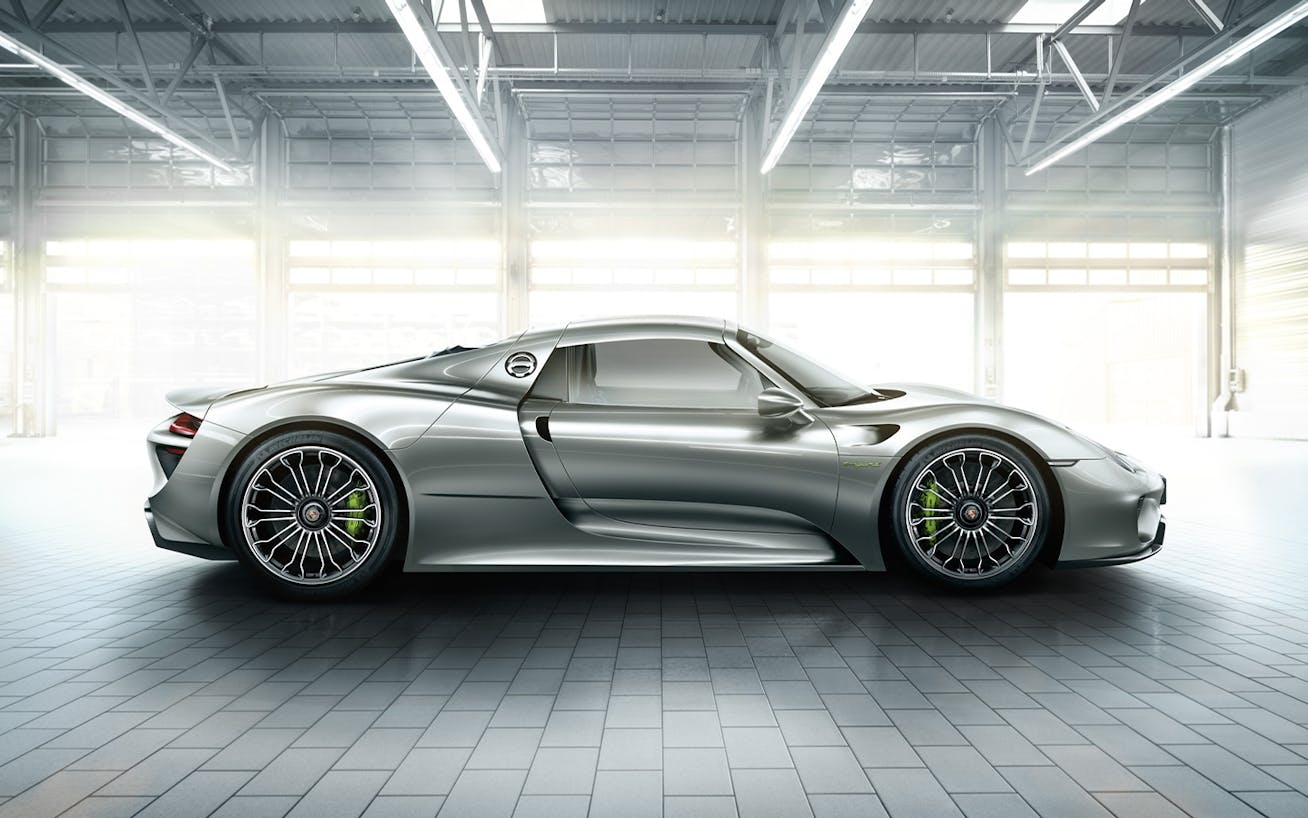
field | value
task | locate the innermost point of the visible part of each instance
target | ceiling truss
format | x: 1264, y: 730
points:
x: 217, y: 91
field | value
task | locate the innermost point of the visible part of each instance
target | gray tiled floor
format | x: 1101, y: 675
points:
x: 137, y: 682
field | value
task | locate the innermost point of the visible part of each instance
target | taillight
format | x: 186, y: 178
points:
x: 185, y: 425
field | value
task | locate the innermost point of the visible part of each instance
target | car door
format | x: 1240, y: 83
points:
x: 666, y: 432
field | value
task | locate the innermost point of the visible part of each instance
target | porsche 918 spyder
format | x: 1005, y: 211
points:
x: 643, y: 443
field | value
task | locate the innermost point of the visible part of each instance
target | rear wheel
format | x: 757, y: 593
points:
x: 313, y: 514
x: 971, y: 511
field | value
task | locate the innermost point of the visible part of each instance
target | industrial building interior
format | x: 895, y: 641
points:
x: 1094, y: 210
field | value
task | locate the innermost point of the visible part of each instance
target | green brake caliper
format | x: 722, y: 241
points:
x: 354, y: 516
x: 929, y: 500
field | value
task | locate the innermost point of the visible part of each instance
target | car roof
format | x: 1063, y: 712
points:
x: 636, y: 327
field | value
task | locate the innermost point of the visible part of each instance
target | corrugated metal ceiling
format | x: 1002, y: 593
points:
x: 1164, y: 12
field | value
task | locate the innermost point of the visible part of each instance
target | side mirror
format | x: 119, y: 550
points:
x: 777, y: 404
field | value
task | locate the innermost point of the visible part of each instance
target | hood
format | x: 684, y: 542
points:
x: 929, y: 408
x: 931, y: 393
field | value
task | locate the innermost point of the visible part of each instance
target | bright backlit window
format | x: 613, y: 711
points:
x: 135, y: 318
x: 1100, y: 359
x: 1054, y: 12
x: 358, y: 302
x: 573, y: 279
x: 1107, y: 264
x: 881, y: 336
x: 871, y: 263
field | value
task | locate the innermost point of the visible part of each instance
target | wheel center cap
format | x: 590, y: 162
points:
x: 313, y: 514
x: 971, y: 514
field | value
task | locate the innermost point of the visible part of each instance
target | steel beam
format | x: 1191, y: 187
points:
x: 1062, y: 30
x: 190, y: 16
x: 1031, y: 120
x: 440, y: 66
x: 44, y: 14
x: 1233, y: 10
x: 828, y: 54
x: 136, y: 46
x: 220, y: 27
x: 1190, y: 70
x: 1214, y: 22
x: 483, y: 19
x: 48, y: 44
x: 1116, y: 68
x: 1077, y: 77
x: 1077, y: 18
x: 788, y: 11
x: 227, y: 115
x: 197, y: 45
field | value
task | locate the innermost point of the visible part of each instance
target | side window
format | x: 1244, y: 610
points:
x: 664, y: 373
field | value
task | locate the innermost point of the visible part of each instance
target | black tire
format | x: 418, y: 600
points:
x: 359, y: 573
x: 950, y: 561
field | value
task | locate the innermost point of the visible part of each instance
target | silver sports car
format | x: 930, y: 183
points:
x: 636, y: 443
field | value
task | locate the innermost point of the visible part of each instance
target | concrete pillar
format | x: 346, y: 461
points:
x: 513, y: 221
x: 271, y: 252
x: 33, y: 372
x: 992, y: 166
x: 753, y: 304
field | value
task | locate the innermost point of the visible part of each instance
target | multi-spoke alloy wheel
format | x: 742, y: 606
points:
x: 313, y: 512
x: 971, y: 511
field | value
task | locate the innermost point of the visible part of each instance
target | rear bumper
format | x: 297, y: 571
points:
x: 182, y: 509
x: 194, y: 549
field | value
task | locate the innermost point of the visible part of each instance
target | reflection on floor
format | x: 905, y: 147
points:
x: 138, y: 682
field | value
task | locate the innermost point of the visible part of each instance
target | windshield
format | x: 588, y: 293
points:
x: 810, y: 377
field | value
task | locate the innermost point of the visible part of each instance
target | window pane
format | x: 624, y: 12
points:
x: 669, y: 373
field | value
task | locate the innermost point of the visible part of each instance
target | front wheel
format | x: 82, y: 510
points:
x: 971, y: 511
x: 313, y: 514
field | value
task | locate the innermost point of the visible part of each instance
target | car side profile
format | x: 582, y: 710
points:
x: 639, y: 443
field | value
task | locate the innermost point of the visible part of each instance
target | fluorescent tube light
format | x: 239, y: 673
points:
x: 1182, y: 84
x: 108, y: 100
x: 407, y: 16
x: 832, y: 48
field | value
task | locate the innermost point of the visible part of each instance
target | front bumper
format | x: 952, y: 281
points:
x: 1111, y: 515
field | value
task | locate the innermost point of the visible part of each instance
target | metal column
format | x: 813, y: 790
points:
x: 513, y: 221
x: 753, y: 303
x: 992, y: 165
x: 271, y: 273
x: 1223, y: 378
x: 33, y: 373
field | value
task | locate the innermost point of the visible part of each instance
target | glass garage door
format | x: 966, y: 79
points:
x: 357, y: 303
x: 1108, y: 334
x: 573, y: 279
x: 879, y: 310
x: 133, y: 318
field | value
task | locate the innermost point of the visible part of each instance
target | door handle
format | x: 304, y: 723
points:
x: 543, y: 428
